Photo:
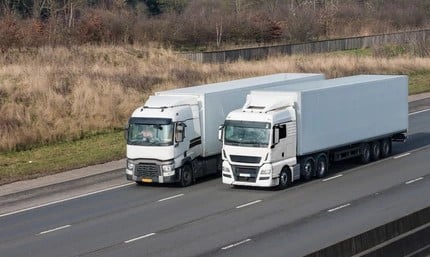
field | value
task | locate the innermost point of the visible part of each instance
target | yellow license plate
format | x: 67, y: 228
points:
x: 147, y: 180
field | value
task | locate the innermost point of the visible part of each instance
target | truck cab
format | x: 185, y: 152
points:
x: 161, y: 135
x: 259, y: 141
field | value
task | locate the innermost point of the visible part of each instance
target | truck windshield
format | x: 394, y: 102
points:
x: 150, y: 132
x: 242, y: 133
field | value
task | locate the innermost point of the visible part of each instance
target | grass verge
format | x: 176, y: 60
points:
x: 54, y: 158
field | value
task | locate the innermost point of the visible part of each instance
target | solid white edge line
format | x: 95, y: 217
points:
x: 235, y: 244
x: 400, y: 156
x: 138, y: 238
x: 339, y: 207
x: 54, y: 229
x: 64, y: 200
x: 171, y: 197
x: 413, y: 180
x: 331, y: 178
x: 413, y: 113
x: 248, y: 204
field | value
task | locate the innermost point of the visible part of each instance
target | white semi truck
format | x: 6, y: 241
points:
x: 290, y: 132
x: 173, y: 137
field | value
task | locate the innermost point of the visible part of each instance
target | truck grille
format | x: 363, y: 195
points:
x: 246, y: 174
x: 245, y: 159
x: 146, y: 170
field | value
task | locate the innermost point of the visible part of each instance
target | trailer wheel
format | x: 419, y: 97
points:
x: 375, y: 151
x: 186, y: 176
x: 284, y: 179
x: 321, y: 165
x: 386, y: 148
x: 365, y: 153
x: 307, y: 168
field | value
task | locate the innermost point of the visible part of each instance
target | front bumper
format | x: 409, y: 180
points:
x: 260, y: 182
x: 241, y: 175
x: 150, y: 173
x: 154, y: 179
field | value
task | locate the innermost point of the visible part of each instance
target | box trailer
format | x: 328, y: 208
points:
x: 286, y: 133
x: 173, y: 136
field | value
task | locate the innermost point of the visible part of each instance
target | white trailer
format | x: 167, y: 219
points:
x: 173, y: 137
x: 286, y: 133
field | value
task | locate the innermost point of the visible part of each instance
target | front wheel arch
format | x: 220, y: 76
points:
x: 285, y: 178
x: 186, y: 175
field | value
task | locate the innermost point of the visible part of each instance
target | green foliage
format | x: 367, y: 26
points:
x: 389, y: 50
x: 63, y: 156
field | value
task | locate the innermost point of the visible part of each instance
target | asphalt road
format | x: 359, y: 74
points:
x: 212, y: 219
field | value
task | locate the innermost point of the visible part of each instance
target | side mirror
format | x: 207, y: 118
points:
x: 180, y: 132
x: 275, y: 135
x: 126, y: 132
x: 220, y: 132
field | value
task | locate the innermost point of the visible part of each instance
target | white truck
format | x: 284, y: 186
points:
x: 174, y: 136
x: 290, y: 132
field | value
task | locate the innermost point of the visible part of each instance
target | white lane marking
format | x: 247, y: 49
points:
x: 339, y: 207
x: 413, y: 113
x: 235, y: 244
x: 55, y: 229
x: 400, y: 156
x: 413, y: 180
x: 138, y: 238
x: 64, y: 200
x: 331, y: 178
x: 248, y: 204
x: 171, y: 197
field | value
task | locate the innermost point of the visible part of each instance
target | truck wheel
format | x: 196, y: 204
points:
x: 307, y: 168
x: 140, y: 183
x: 284, y: 179
x: 321, y: 165
x: 186, y: 176
x: 365, y: 153
x: 385, y: 148
x: 375, y: 151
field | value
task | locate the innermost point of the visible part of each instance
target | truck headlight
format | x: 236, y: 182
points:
x: 226, y: 168
x: 266, y: 170
x: 168, y: 170
x: 130, y: 168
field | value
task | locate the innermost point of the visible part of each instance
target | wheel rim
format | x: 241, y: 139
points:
x: 283, y: 178
x: 366, y: 153
x: 376, y: 150
x: 321, y: 166
x: 186, y: 176
x: 385, y: 148
x: 308, y: 168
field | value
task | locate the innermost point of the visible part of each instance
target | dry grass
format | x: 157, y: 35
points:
x: 63, y: 94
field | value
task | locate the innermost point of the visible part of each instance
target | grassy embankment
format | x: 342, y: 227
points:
x: 64, y: 108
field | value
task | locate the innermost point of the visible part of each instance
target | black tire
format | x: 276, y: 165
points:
x: 321, y: 167
x: 284, y: 179
x: 386, y: 147
x: 307, y: 168
x: 375, y: 151
x: 186, y: 176
x: 140, y: 183
x: 365, y: 153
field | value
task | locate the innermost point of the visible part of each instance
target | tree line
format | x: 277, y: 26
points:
x: 200, y: 24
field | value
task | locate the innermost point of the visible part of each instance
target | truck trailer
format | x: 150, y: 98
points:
x: 173, y: 136
x: 283, y: 134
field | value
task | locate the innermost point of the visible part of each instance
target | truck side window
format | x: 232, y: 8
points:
x: 282, y: 131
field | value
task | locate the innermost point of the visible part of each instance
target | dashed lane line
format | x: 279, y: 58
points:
x: 236, y: 244
x: 54, y: 229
